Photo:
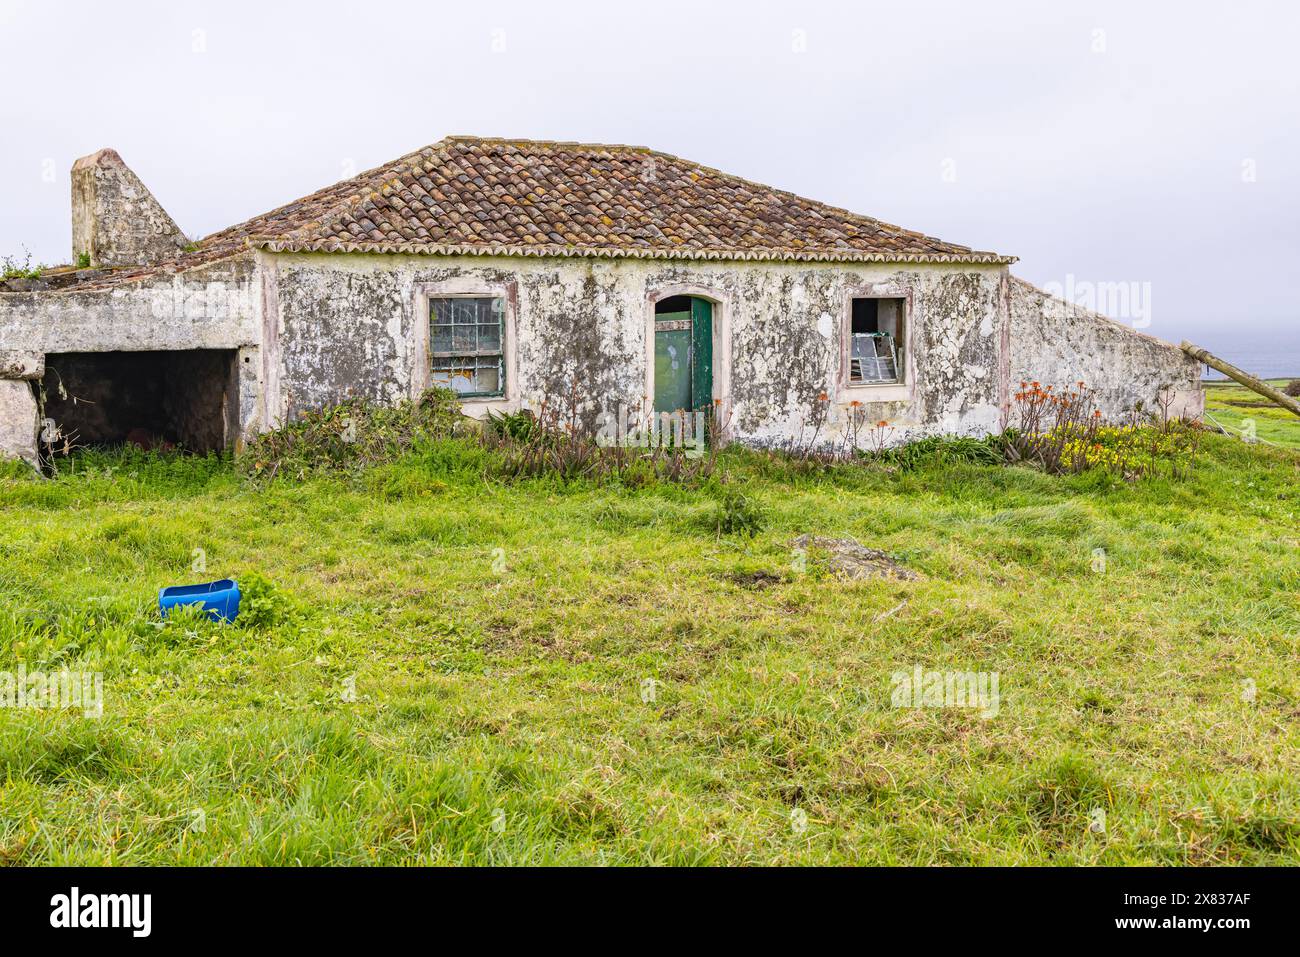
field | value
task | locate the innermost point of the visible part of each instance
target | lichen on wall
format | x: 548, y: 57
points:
x: 779, y: 343
x: 1058, y: 343
x: 343, y: 333
x: 577, y: 331
x: 347, y: 327
x: 958, y: 351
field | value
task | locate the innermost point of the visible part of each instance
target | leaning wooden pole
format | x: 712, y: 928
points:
x: 1245, y: 378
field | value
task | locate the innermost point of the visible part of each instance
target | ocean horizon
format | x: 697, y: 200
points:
x: 1271, y: 355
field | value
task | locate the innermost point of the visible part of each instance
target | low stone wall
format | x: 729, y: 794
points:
x: 1057, y: 343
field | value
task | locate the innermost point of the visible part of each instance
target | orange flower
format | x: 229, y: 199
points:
x: 1096, y: 413
x: 823, y: 397
x: 854, y: 404
x: 882, y: 424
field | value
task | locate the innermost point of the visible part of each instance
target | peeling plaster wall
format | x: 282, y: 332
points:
x: 116, y: 221
x: 214, y: 307
x: 1058, y: 343
x: 342, y: 332
x: 312, y: 329
x: 347, y: 327
x: 18, y: 421
x: 210, y: 308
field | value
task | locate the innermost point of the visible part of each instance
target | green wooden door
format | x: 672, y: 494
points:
x: 672, y: 361
x: 684, y: 358
x: 701, y: 354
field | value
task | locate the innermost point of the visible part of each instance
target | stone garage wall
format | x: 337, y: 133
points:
x: 1057, y: 343
x: 18, y: 420
x: 213, y: 307
x: 347, y: 325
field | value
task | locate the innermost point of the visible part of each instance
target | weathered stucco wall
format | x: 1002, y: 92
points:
x: 347, y: 325
x: 17, y: 420
x: 214, y: 307
x: 312, y: 329
x: 116, y: 221
x: 1058, y: 343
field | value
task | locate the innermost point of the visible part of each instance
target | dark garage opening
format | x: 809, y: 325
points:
x: 187, y: 399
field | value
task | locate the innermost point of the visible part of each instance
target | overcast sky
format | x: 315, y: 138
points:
x: 1100, y: 142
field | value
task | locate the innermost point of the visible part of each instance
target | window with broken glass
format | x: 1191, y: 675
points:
x: 875, y: 341
x: 466, y: 352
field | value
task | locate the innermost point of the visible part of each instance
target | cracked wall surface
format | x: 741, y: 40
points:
x: 348, y: 327
x: 312, y: 329
x: 1058, y: 343
x: 213, y: 307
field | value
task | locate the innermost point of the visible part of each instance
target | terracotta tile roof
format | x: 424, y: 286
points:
x: 471, y: 195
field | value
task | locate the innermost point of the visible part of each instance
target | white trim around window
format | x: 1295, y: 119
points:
x: 467, y: 287
x: 904, y: 389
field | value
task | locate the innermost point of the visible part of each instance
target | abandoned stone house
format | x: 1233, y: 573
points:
x: 513, y: 270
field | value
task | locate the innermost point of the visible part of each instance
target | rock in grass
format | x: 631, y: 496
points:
x: 851, y: 559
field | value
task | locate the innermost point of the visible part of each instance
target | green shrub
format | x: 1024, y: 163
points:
x: 1065, y: 433
x: 351, y: 436
x: 262, y: 604
x: 520, y: 426
x: 11, y: 267
x: 943, y: 450
x: 738, y: 514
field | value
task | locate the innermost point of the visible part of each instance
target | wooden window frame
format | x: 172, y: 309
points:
x: 421, y: 333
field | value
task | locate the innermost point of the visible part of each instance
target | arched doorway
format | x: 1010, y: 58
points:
x: 683, y: 354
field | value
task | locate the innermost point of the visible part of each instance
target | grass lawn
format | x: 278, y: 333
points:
x: 1238, y: 409
x: 476, y: 672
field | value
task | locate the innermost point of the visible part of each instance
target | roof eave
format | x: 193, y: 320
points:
x: 541, y: 251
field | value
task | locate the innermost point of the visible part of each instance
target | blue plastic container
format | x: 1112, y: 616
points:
x: 220, y: 599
